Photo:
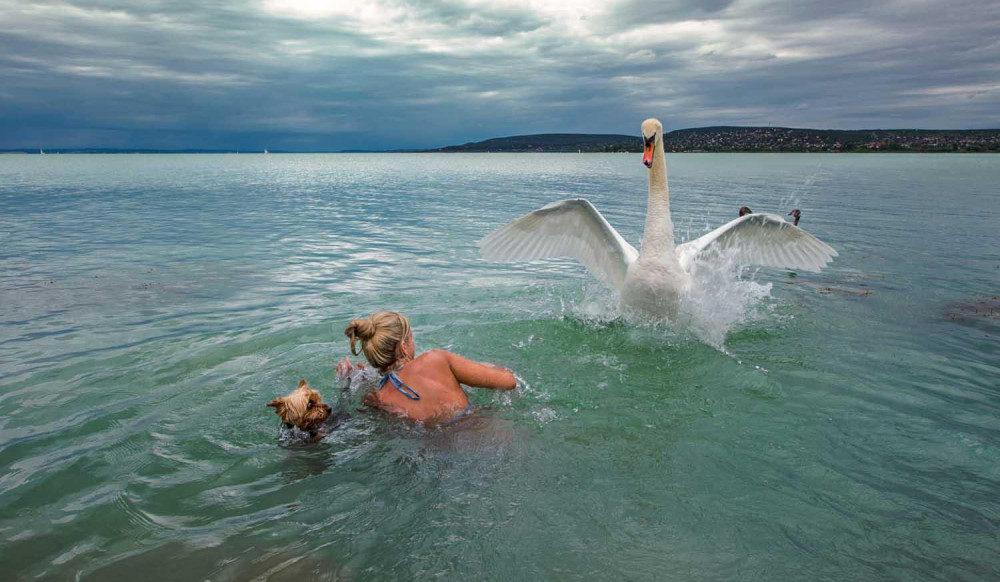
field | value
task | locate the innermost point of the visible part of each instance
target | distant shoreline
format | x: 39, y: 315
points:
x: 397, y: 152
x: 727, y: 139
x: 723, y: 139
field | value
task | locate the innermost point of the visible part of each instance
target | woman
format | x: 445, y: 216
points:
x: 424, y: 388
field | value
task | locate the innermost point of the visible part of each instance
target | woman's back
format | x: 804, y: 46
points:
x: 425, y: 388
x: 431, y: 390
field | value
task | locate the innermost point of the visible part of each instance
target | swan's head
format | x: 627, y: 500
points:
x: 652, y: 130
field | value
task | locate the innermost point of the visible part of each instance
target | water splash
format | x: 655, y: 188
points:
x: 805, y: 191
x: 723, y: 295
x: 356, y: 383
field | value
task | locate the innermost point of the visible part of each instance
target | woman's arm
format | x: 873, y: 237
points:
x: 479, y: 375
x: 371, y: 399
x: 344, y: 368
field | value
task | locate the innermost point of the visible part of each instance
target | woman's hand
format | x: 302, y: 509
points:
x: 344, y: 368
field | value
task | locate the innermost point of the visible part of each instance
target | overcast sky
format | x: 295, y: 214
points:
x: 328, y: 75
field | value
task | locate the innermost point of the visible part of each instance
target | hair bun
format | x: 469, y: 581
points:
x: 380, y: 335
x: 365, y: 328
x: 359, y: 329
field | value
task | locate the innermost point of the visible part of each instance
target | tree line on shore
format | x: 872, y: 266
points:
x: 753, y: 139
x: 702, y: 139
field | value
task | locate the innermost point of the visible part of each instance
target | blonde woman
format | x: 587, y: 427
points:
x: 425, y: 388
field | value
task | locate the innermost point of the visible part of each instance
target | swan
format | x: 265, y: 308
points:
x: 651, y: 280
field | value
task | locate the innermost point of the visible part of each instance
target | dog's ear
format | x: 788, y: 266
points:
x: 280, y: 408
x: 303, y: 382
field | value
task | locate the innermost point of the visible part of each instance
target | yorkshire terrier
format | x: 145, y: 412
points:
x: 304, y: 409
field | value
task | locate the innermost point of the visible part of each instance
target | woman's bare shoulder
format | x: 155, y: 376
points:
x: 435, y: 356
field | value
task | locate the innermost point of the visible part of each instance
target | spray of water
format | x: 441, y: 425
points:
x: 798, y: 197
x: 723, y: 296
x: 356, y: 382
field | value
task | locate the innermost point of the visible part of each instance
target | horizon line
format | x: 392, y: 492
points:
x: 153, y: 150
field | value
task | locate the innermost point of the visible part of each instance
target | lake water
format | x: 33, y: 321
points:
x: 837, y: 426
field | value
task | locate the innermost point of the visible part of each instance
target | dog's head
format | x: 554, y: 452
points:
x: 302, y: 408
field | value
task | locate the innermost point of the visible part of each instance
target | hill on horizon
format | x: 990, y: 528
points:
x: 751, y: 139
x: 699, y: 139
x: 549, y: 142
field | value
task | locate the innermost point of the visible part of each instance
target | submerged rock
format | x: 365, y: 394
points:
x: 832, y: 288
x: 858, y: 292
x: 974, y: 309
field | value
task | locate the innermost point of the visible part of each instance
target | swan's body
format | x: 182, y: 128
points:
x: 652, y: 279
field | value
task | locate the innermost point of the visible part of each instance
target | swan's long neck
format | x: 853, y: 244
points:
x: 658, y: 235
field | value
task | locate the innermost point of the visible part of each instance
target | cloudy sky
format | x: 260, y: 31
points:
x: 388, y: 74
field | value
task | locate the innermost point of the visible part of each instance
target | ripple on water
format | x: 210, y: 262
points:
x: 151, y: 305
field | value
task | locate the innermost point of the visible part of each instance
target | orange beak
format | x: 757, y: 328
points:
x: 647, y: 155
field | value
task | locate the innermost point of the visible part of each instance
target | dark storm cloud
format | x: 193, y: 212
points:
x: 326, y: 75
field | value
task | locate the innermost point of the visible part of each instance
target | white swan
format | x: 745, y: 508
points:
x: 651, y: 280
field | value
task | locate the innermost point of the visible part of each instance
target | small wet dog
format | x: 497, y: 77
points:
x: 305, y: 410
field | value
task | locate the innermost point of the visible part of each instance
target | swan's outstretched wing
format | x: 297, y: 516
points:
x: 761, y: 239
x: 566, y: 228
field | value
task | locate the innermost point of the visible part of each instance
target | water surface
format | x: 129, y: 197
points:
x: 833, y: 426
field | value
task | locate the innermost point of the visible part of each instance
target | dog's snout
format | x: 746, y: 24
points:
x: 327, y: 407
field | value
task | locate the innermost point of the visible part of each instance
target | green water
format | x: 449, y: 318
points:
x: 824, y: 427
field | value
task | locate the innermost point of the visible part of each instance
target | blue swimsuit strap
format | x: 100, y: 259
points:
x: 399, y: 384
